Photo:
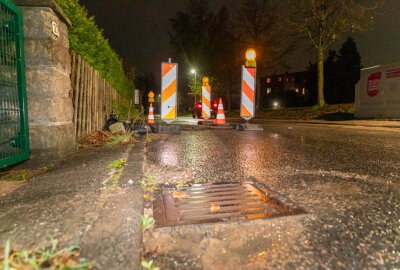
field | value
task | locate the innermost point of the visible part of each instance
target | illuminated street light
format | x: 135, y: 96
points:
x: 276, y: 104
x: 193, y: 71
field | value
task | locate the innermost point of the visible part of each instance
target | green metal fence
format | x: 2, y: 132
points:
x: 14, y: 138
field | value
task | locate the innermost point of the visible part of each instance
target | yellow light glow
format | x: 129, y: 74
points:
x: 250, y: 55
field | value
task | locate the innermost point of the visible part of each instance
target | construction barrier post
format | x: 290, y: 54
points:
x: 247, y: 108
x: 169, y: 82
x: 205, y: 99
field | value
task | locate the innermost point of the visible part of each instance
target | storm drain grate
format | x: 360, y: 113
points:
x: 218, y: 203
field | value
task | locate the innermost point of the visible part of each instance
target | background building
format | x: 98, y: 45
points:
x: 288, y: 89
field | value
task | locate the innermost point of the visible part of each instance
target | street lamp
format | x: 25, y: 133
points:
x: 193, y: 71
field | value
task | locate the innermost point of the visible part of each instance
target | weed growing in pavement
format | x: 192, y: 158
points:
x: 15, y: 176
x: 148, y: 184
x: 147, y: 222
x: 117, y: 164
x: 181, y: 184
x: 149, y: 265
x: 44, y: 258
x: 119, y: 139
x: 149, y: 197
x: 21, y: 175
x: 79, y: 145
x: 113, y: 182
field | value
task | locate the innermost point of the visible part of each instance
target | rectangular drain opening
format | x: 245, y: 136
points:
x: 199, y: 204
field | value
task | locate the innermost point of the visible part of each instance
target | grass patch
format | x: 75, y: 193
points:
x: 148, y: 187
x: 113, y: 182
x: 119, y: 139
x: 117, y: 164
x: 181, y: 184
x: 337, y: 112
x: 23, y: 175
x: 148, y: 184
x: 147, y: 222
x: 185, y: 114
x: 100, y: 138
x: 45, y: 257
x: 149, y: 265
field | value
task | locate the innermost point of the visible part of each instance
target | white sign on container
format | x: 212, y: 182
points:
x: 378, y: 92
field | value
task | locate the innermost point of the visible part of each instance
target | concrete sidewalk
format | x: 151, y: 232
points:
x: 73, y: 204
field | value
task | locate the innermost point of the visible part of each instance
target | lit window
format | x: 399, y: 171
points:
x: 304, y: 91
x: 269, y: 91
x: 268, y: 80
x: 279, y: 79
x: 297, y: 90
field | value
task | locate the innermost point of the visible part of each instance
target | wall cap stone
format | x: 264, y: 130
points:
x: 45, y: 3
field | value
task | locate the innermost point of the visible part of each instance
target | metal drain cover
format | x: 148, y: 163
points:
x: 218, y: 203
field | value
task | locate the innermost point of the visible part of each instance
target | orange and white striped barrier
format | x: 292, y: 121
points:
x: 169, y: 84
x: 247, y: 108
x: 205, y: 101
x: 150, y: 117
x: 220, y: 120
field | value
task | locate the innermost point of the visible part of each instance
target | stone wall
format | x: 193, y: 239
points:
x: 48, y: 82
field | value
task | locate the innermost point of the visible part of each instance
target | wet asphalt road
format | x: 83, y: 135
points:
x: 347, y: 179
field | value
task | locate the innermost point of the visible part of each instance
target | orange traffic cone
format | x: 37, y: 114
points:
x: 150, y: 118
x: 220, y: 114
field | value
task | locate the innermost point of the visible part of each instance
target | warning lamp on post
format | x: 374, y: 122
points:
x: 151, y: 96
x: 251, y: 58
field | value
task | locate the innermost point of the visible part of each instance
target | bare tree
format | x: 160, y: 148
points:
x: 257, y: 27
x: 323, y: 21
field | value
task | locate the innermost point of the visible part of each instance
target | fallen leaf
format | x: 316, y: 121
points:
x: 179, y: 194
x: 262, y: 253
x: 214, y: 208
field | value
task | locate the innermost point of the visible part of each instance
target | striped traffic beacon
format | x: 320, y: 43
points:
x: 205, y: 99
x: 169, y: 82
x: 248, y: 108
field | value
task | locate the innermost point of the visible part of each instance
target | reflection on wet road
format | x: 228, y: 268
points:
x: 348, y: 180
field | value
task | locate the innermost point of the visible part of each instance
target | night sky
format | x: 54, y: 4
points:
x: 138, y: 31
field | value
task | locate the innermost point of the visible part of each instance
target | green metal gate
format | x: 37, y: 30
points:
x: 14, y: 137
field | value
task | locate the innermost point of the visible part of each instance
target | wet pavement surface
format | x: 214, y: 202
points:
x: 73, y: 204
x: 346, y: 179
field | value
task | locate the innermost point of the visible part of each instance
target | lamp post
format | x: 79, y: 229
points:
x: 193, y: 71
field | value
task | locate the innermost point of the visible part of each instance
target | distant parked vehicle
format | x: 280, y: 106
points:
x: 196, y: 110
